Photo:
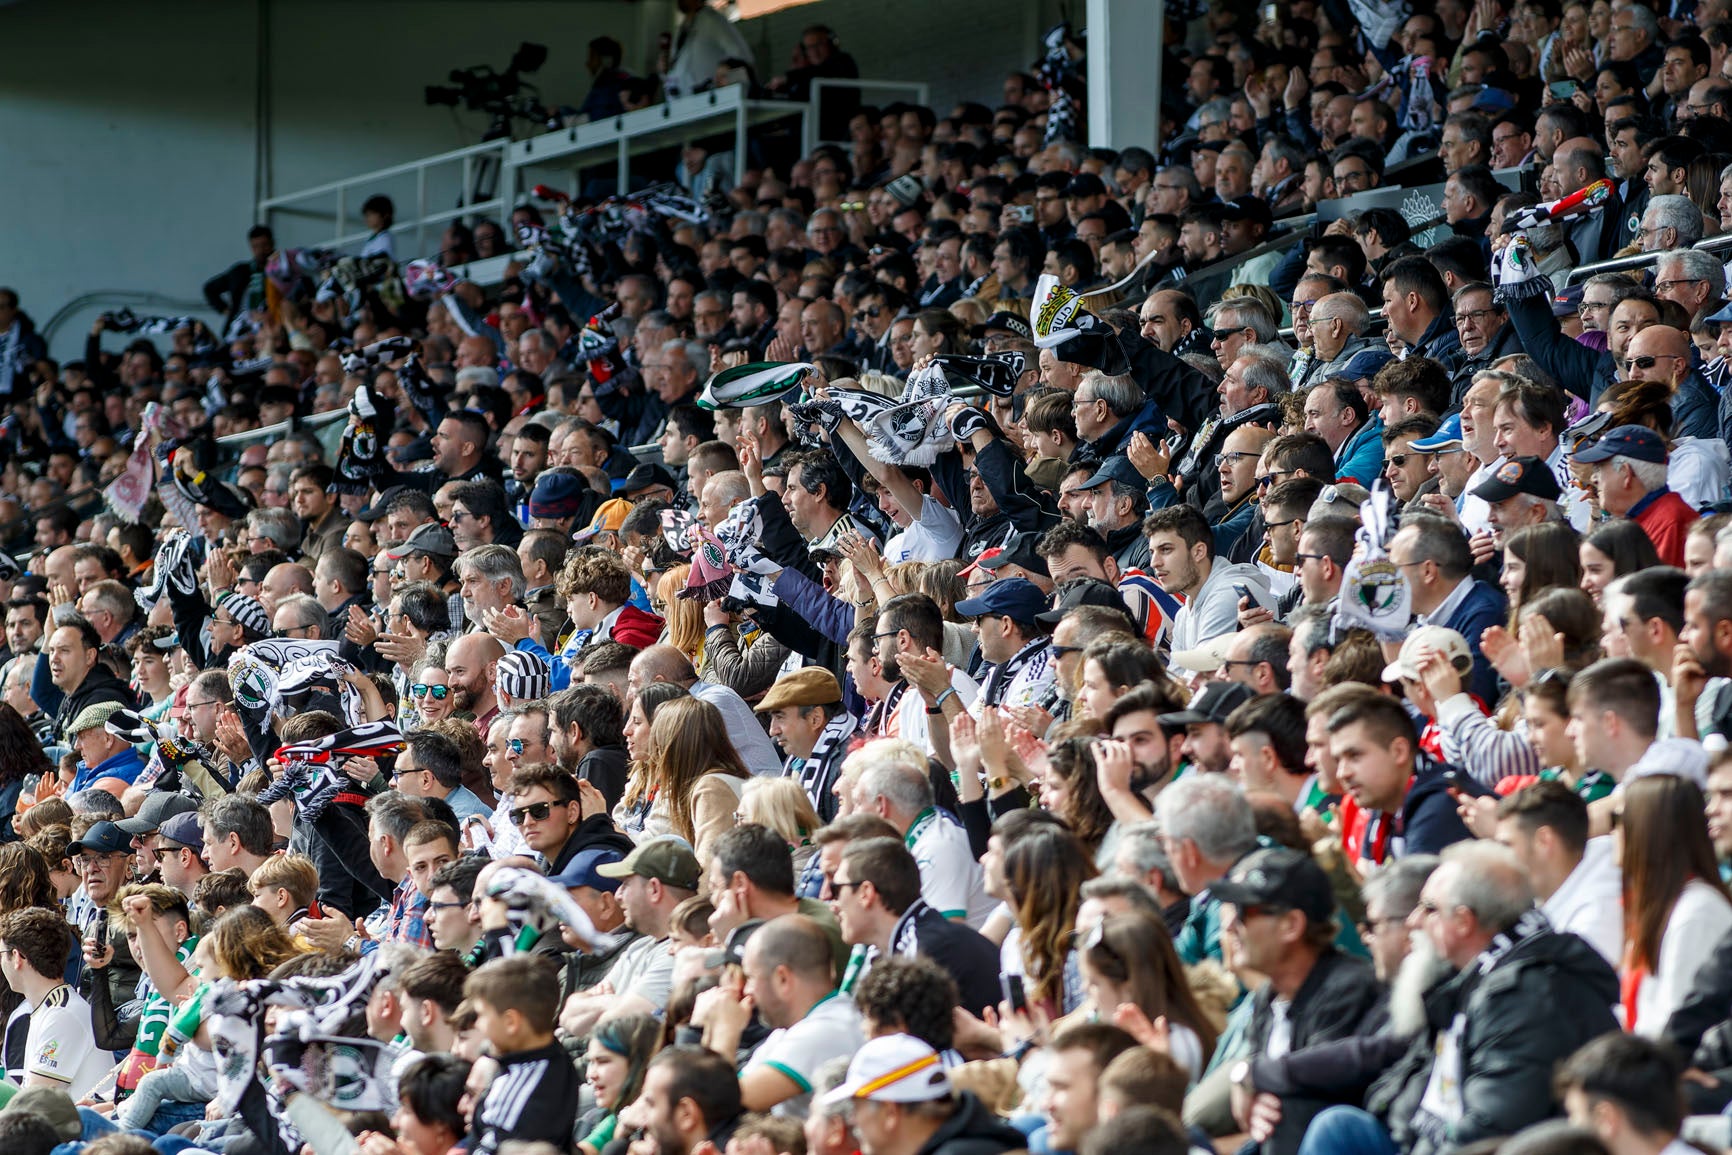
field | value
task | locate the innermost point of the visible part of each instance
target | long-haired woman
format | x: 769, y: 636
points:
x: 619, y: 1054
x: 698, y: 774
x: 684, y: 616
x: 1069, y: 789
x: 1537, y: 557
x: 636, y: 813
x: 1675, y: 906
x: 20, y: 756
x: 1613, y: 550
x: 1044, y: 872
x: 1129, y: 958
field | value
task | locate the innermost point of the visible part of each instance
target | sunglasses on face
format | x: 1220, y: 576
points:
x: 422, y: 689
x: 515, y: 745
x: 536, y: 811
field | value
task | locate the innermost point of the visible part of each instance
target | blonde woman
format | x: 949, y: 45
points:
x: 782, y: 805
x: 684, y: 616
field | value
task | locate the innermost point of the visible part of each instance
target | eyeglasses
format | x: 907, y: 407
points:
x: 202, y: 705
x: 1231, y: 662
x: 515, y: 745
x: 438, y: 906
x: 889, y: 634
x: 1302, y: 306
x: 1305, y: 557
x: 1661, y: 288
x: 1274, y: 478
x: 422, y: 689
x: 538, y: 811
x: 1400, y: 460
x: 1650, y: 361
x: 1059, y: 651
x: 1475, y: 316
x: 1279, y: 524
x: 839, y: 887
x: 1232, y: 460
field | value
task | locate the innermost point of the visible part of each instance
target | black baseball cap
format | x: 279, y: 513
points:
x: 1529, y: 475
x: 1082, y: 592
x: 1213, y: 704
x: 1278, y: 877
x: 1019, y: 550
x: 646, y: 475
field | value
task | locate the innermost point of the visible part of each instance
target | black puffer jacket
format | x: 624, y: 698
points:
x: 1549, y: 996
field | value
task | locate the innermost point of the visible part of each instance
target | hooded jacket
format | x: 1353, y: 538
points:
x: 1551, y: 994
x: 1215, y: 609
x: 100, y: 685
x: 973, y: 1130
x: 1148, y: 418
x: 597, y: 832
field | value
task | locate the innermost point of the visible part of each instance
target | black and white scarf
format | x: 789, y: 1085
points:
x: 910, y: 430
x: 1032, y: 657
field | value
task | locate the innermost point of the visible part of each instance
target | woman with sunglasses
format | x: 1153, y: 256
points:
x: 1675, y: 906
x: 430, y: 694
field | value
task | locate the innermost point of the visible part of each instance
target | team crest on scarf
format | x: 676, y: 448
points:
x: 755, y: 383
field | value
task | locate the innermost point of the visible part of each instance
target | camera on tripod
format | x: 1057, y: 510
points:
x: 504, y: 94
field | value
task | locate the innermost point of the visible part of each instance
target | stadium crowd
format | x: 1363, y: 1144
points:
x: 955, y: 644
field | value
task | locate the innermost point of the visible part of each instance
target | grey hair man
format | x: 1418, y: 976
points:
x: 490, y: 578
x: 1669, y: 222
x: 894, y: 784
x: 1206, y: 826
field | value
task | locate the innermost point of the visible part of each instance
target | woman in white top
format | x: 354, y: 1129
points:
x: 1675, y: 906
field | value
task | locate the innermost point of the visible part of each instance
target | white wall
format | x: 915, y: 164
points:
x: 135, y: 138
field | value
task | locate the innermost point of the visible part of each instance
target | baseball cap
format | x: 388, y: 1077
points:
x: 1448, y: 436
x: 430, y: 538
x: 1018, y: 599
x: 1082, y: 592
x: 893, y: 1069
x: 1439, y: 639
x: 185, y: 830
x: 1528, y: 475
x: 380, y: 504
x: 54, y: 1107
x: 979, y: 563
x: 1249, y: 208
x: 668, y: 860
x: 1724, y: 315
x: 647, y: 475
x: 1586, y: 430
x: 608, y: 519
x: 1213, y: 704
x: 1019, y: 550
x: 1569, y: 300
x: 732, y: 952
x: 583, y: 870
x: 557, y: 495
x: 1278, y: 876
x: 159, y: 806
x: 1117, y: 468
x: 1006, y: 323
x: 1634, y: 441
x: 103, y: 838
x: 1085, y: 184
x: 807, y: 686
x: 1208, y: 657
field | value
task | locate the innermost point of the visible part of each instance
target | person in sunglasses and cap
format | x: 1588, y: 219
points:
x: 1630, y: 474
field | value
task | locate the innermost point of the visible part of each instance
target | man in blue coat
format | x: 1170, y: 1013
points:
x: 1434, y: 557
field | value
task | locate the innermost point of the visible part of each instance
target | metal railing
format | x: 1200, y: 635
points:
x: 914, y: 91
x: 616, y: 139
x: 1712, y: 244
x: 462, y: 182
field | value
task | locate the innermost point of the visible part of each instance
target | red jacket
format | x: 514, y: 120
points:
x: 1666, y: 518
x: 635, y: 628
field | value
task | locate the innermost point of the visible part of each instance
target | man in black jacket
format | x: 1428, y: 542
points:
x: 242, y: 285
x: 1279, y: 920
x: 1469, y: 1054
x: 878, y: 904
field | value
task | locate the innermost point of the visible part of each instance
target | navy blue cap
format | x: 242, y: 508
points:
x: 1529, y: 475
x: 580, y: 871
x: 378, y: 508
x: 1117, y: 468
x: 557, y: 495
x: 1018, y: 599
x: 1633, y: 441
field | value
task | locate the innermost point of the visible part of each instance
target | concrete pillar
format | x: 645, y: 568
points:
x: 1124, y: 72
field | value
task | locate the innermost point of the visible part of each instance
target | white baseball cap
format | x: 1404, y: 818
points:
x: 894, y: 1069
x: 1436, y: 639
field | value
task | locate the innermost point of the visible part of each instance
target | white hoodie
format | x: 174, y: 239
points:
x: 1215, y: 609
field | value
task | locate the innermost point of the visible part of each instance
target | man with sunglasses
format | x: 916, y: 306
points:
x: 546, y: 804
x: 1662, y: 353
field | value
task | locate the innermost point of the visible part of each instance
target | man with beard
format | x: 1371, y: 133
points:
x: 1278, y: 920
x: 1390, y: 896
x: 690, y: 1099
x: 586, y: 733
x: 1488, y: 1002
x: 1205, y: 724
x: 469, y: 666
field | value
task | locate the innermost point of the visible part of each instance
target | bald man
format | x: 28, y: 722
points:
x: 662, y: 663
x: 469, y: 665
x: 284, y: 579
x: 1662, y: 353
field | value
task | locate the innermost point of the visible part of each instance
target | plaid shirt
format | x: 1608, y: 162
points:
x: 407, y: 920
